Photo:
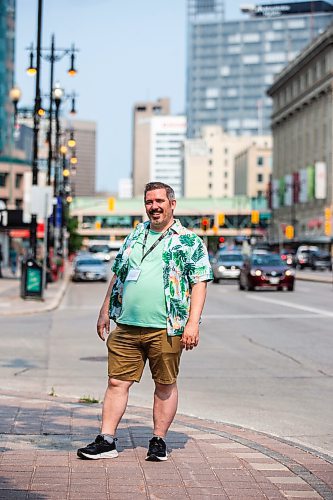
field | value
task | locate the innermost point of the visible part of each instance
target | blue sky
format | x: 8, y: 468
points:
x: 130, y: 50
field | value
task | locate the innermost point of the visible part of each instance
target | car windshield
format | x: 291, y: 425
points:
x: 267, y: 260
x: 99, y: 248
x: 89, y: 262
x: 231, y: 257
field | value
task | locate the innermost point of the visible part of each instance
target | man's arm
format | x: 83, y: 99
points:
x: 190, y: 337
x: 103, y: 322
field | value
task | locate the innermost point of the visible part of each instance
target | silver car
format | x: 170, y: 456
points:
x: 226, y: 265
x: 87, y: 268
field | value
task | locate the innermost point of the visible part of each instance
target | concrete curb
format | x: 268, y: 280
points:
x: 45, y: 306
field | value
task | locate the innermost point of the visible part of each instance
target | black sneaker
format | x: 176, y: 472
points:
x: 100, y: 448
x: 157, y: 450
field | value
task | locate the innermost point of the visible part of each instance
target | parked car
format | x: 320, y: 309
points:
x: 87, y: 268
x: 266, y: 270
x: 288, y: 256
x: 320, y: 260
x: 227, y: 265
x: 303, y: 255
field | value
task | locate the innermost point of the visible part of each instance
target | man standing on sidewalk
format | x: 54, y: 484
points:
x: 156, y: 297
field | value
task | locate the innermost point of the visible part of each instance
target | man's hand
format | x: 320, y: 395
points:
x: 190, y: 337
x: 103, y: 324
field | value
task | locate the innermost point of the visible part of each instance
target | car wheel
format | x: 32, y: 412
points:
x: 250, y: 288
x: 280, y: 288
x: 291, y: 288
x: 216, y: 280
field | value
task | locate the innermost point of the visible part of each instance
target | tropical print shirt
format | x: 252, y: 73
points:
x: 185, y: 262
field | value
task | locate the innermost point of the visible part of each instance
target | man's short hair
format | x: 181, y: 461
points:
x: 151, y: 186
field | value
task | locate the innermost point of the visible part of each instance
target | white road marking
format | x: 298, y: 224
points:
x: 284, y: 303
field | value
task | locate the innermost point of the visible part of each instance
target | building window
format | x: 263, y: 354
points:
x: 3, y: 178
x: 210, y: 173
x: 210, y: 185
x: 225, y: 175
x: 225, y: 151
x: 210, y: 162
x: 18, y: 180
x: 260, y: 161
x: 260, y: 178
x: 259, y: 194
x: 225, y: 186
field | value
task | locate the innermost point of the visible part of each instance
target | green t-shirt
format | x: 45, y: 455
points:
x: 143, y: 301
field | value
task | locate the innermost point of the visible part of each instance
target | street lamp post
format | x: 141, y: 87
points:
x: 57, y: 96
x: 33, y: 226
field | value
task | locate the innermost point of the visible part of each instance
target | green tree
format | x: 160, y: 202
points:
x: 75, y: 239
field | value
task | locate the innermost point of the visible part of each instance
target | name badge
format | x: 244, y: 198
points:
x: 133, y: 275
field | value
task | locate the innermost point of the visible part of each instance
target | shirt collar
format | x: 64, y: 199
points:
x: 176, y: 227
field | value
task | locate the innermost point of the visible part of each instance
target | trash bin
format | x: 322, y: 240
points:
x: 31, y: 279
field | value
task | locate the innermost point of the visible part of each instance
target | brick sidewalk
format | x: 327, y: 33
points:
x: 39, y: 437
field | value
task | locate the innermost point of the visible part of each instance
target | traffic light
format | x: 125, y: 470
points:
x: 111, y: 203
x: 221, y: 239
x: 98, y: 224
x: 204, y: 223
x: 328, y: 214
x: 328, y: 228
x: 255, y: 217
x: 289, y: 232
x: 221, y: 219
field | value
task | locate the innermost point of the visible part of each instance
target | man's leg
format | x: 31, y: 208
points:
x: 114, y: 405
x: 165, y: 407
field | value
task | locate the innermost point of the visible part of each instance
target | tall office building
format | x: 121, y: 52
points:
x: 142, y: 112
x: 7, y: 40
x: 84, y: 181
x: 232, y: 63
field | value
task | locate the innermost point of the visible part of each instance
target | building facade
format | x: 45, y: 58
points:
x: 167, y: 135
x: 142, y: 112
x: 83, y: 180
x: 302, y: 124
x: 210, y: 162
x: 232, y: 63
x: 7, y: 53
x: 253, y: 168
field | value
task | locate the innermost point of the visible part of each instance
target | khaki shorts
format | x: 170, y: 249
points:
x: 130, y: 346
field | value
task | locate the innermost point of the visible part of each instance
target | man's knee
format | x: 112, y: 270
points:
x: 164, y: 391
x: 114, y: 383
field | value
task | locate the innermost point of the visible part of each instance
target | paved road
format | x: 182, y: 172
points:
x: 264, y: 361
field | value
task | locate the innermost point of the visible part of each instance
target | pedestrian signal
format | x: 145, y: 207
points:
x: 289, y: 232
x: 255, y: 217
x: 98, y: 224
x: 221, y: 239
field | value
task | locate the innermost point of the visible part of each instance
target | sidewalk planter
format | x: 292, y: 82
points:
x: 31, y: 280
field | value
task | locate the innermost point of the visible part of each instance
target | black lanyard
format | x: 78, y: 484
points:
x: 154, y: 245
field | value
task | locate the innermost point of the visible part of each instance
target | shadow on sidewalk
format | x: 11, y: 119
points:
x: 61, y: 427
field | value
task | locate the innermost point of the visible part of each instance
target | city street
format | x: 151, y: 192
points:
x: 264, y: 360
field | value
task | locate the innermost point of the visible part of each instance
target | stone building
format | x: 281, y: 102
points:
x: 302, y: 182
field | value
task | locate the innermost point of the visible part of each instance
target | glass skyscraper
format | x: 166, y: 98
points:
x: 7, y: 48
x: 230, y: 64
